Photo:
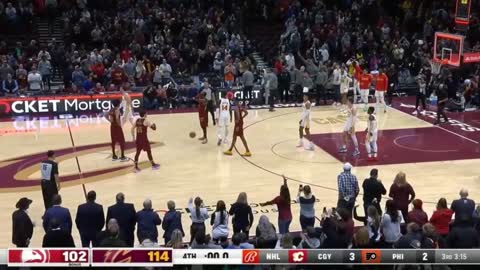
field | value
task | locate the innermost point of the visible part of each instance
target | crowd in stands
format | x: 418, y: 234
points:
x: 400, y: 223
x: 144, y: 43
x: 395, y: 37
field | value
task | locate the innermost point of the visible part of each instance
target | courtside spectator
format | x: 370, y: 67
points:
x: 412, y: 236
x: 125, y: 216
x: 463, y: 206
x: 45, y: 69
x: 176, y: 240
x: 22, y: 225
x: 59, y: 213
x: 390, y: 225
x: 147, y: 221
x: 310, y: 239
x: 373, y: 190
x: 336, y: 236
x: 285, y: 242
x: 236, y: 241
x: 219, y: 223
x: 245, y: 244
x: 199, y: 215
x: 372, y: 222
x: 34, y: 79
x: 203, y: 241
x: 90, y: 220
x: 172, y: 221
x: 57, y: 237
x: 361, y: 239
x: 283, y: 203
x: 417, y: 215
x: 431, y: 239
x: 266, y: 236
x: 441, y: 218
x: 463, y: 235
x: 307, y: 210
x: 112, y: 237
x: 402, y: 193
x: 347, y: 188
x: 242, y: 216
x: 10, y: 86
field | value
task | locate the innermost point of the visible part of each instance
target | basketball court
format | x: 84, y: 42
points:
x: 438, y: 161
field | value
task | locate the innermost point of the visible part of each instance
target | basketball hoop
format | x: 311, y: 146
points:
x: 436, y: 65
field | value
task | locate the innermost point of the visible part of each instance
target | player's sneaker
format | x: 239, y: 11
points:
x: 155, y: 166
x: 219, y: 142
x: 228, y: 153
x: 300, y: 144
x: 247, y: 154
x: 356, y: 153
x: 137, y: 170
x: 114, y: 158
x: 124, y: 159
x: 423, y: 112
x: 415, y: 112
x: 310, y: 147
x: 342, y: 150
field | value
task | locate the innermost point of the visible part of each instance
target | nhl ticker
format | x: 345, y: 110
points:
x: 165, y: 257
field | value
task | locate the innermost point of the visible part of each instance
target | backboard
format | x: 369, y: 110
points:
x: 448, y: 48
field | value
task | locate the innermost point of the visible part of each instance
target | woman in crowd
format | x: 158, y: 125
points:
x: 198, y: 214
x: 307, y: 210
x: 402, y: 193
x: 203, y: 241
x: 242, y: 214
x: 283, y: 204
x: 176, y: 240
x: 310, y: 239
x: 219, y: 222
x: 345, y: 222
x: 417, y: 214
x: 362, y: 239
x: 441, y: 218
x: 390, y: 224
x: 265, y: 233
x: 372, y: 220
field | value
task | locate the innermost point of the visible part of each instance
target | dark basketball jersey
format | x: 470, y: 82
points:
x: 142, y: 139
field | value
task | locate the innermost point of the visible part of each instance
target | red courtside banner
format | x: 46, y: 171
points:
x: 471, y: 57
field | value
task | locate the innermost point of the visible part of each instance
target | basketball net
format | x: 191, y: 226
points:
x: 436, y: 65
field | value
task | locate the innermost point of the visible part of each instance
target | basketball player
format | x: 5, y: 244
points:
x: 126, y: 105
x: 381, y: 87
x: 365, y: 82
x: 224, y: 117
x: 305, y: 122
x: 116, y: 132
x: 345, y: 81
x: 349, y: 129
x: 372, y: 135
x: 203, y: 115
x: 240, y: 113
x: 139, y: 134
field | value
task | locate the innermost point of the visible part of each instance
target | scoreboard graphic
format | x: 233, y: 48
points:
x: 165, y: 257
x: 462, y: 12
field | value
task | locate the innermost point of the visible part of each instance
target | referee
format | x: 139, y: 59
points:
x: 50, y: 181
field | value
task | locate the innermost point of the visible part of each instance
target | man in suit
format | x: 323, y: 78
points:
x: 61, y: 214
x: 57, y: 237
x: 90, y: 220
x: 148, y: 220
x: 171, y: 221
x: 22, y: 225
x: 125, y: 215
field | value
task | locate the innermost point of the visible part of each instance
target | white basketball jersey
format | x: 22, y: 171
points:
x: 305, y: 111
x: 224, y: 107
x: 372, y: 124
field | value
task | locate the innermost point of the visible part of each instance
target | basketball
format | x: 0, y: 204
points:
x: 192, y: 134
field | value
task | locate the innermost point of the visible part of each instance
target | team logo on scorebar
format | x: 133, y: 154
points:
x: 297, y: 256
x: 118, y: 256
x: 250, y: 256
x: 371, y: 256
x: 35, y: 256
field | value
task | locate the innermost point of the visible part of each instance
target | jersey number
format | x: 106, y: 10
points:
x: 224, y: 107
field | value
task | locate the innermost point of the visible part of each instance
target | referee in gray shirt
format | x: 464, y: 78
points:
x: 247, y: 81
x: 50, y: 181
x: 210, y: 98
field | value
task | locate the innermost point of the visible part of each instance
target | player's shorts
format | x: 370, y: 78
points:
x: 116, y: 134
x: 348, y: 126
x: 238, y: 130
x: 141, y: 145
x: 305, y: 123
x: 364, y: 92
x: 344, y: 90
x: 127, y: 116
x: 379, y: 94
x: 224, y: 121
